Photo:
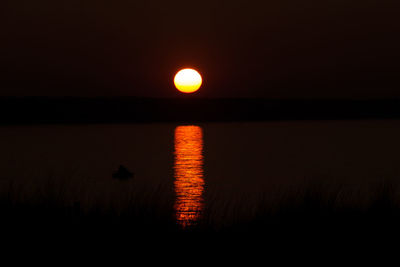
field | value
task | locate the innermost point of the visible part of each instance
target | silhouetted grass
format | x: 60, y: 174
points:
x: 128, y: 208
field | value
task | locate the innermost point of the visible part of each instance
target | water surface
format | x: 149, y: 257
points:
x: 199, y: 165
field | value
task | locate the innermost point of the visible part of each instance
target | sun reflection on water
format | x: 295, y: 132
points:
x: 189, y: 182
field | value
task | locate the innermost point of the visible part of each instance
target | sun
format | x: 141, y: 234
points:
x: 188, y: 80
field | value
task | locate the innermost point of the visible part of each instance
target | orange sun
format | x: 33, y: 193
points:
x: 188, y: 80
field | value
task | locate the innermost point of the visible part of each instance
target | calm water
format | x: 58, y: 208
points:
x: 188, y: 175
x: 199, y: 165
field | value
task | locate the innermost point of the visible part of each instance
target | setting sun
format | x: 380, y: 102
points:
x: 187, y: 80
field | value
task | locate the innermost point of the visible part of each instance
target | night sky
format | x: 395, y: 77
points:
x: 271, y: 49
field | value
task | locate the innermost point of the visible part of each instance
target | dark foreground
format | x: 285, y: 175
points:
x: 309, y: 214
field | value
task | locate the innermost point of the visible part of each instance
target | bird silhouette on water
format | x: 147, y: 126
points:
x: 122, y: 173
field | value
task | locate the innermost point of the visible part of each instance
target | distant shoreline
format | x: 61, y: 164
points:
x: 66, y: 110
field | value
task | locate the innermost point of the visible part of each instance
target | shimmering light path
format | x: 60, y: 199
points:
x: 189, y: 182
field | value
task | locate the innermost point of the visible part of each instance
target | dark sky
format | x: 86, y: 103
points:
x: 275, y: 48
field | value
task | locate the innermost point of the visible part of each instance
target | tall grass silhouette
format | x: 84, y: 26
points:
x: 312, y: 208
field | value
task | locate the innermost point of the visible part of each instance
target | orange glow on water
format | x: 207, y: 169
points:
x: 189, y: 182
